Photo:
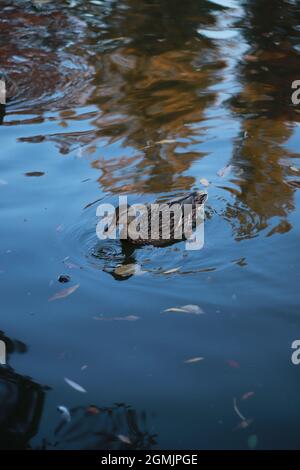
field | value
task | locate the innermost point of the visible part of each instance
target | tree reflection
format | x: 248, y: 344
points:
x: 21, y: 403
x: 151, y: 90
x: 91, y: 427
x: 118, y: 427
x: 265, y: 111
x: 154, y: 81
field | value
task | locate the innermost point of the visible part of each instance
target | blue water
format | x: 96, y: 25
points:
x: 135, y: 98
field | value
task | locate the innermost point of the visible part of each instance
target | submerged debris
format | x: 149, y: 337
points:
x: 124, y: 439
x: 235, y: 407
x: 194, y: 309
x: 193, y: 360
x: 35, y: 173
x: 125, y: 270
x: 64, y: 293
x: 224, y: 171
x: 65, y: 413
x: 252, y: 442
x: 75, y: 385
x: 204, y: 182
x: 171, y: 271
x: 92, y: 410
x: 247, y: 395
x: 127, y: 318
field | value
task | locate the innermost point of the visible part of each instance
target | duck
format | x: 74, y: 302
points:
x: 196, y: 199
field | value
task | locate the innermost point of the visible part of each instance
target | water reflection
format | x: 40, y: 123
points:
x: 42, y: 75
x: 153, y: 96
x: 149, y: 81
x: 115, y: 428
x: 266, y: 113
x: 91, y: 427
x: 22, y: 402
x: 152, y: 90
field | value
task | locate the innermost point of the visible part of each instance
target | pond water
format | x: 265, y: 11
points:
x: 149, y: 99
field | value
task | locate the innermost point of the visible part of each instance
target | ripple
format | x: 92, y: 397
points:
x: 42, y: 71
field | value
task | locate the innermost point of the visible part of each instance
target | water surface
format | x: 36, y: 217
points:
x: 146, y: 98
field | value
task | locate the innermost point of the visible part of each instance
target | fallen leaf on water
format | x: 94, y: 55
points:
x: 195, y: 309
x: 252, y: 442
x: 92, y: 410
x: 71, y: 265
x: 124, y: 439
x: 74, y: 385
x: 64, y: 293
x: 247, y: 395
x: 245, y: 423
x: 125, y: 270
x: 234, y: 364
x: 204, y: 182
x: 127, y: 318
x: 193, y: 360
x: 34, y: 173
x: 65, y: 413
x: 170, y: 271
x: 235, y: 407
x: 224, y: 171
x: 166, y: 141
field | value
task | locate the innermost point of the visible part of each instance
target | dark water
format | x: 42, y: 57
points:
x: 145, y: 99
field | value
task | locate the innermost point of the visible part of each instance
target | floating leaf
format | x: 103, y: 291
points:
x: 166, y: 141
x: 245, y: 423
x: 92, y: 410
x: 65, y: 413
x: 64, y: 293
x: 235, y: 407
x: 124, y: 439
x: 125, y: 270
x: 193, y: 360
x: 35, y: 173
x: 75, y: 385
x: 234, y: 364
x: 247, y: 395
x: 224, y: 171
x: 127, y: 318
x: 170, y: 271
x: 252, y: 442
x: 204, y: 182
x: 195, y: 309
